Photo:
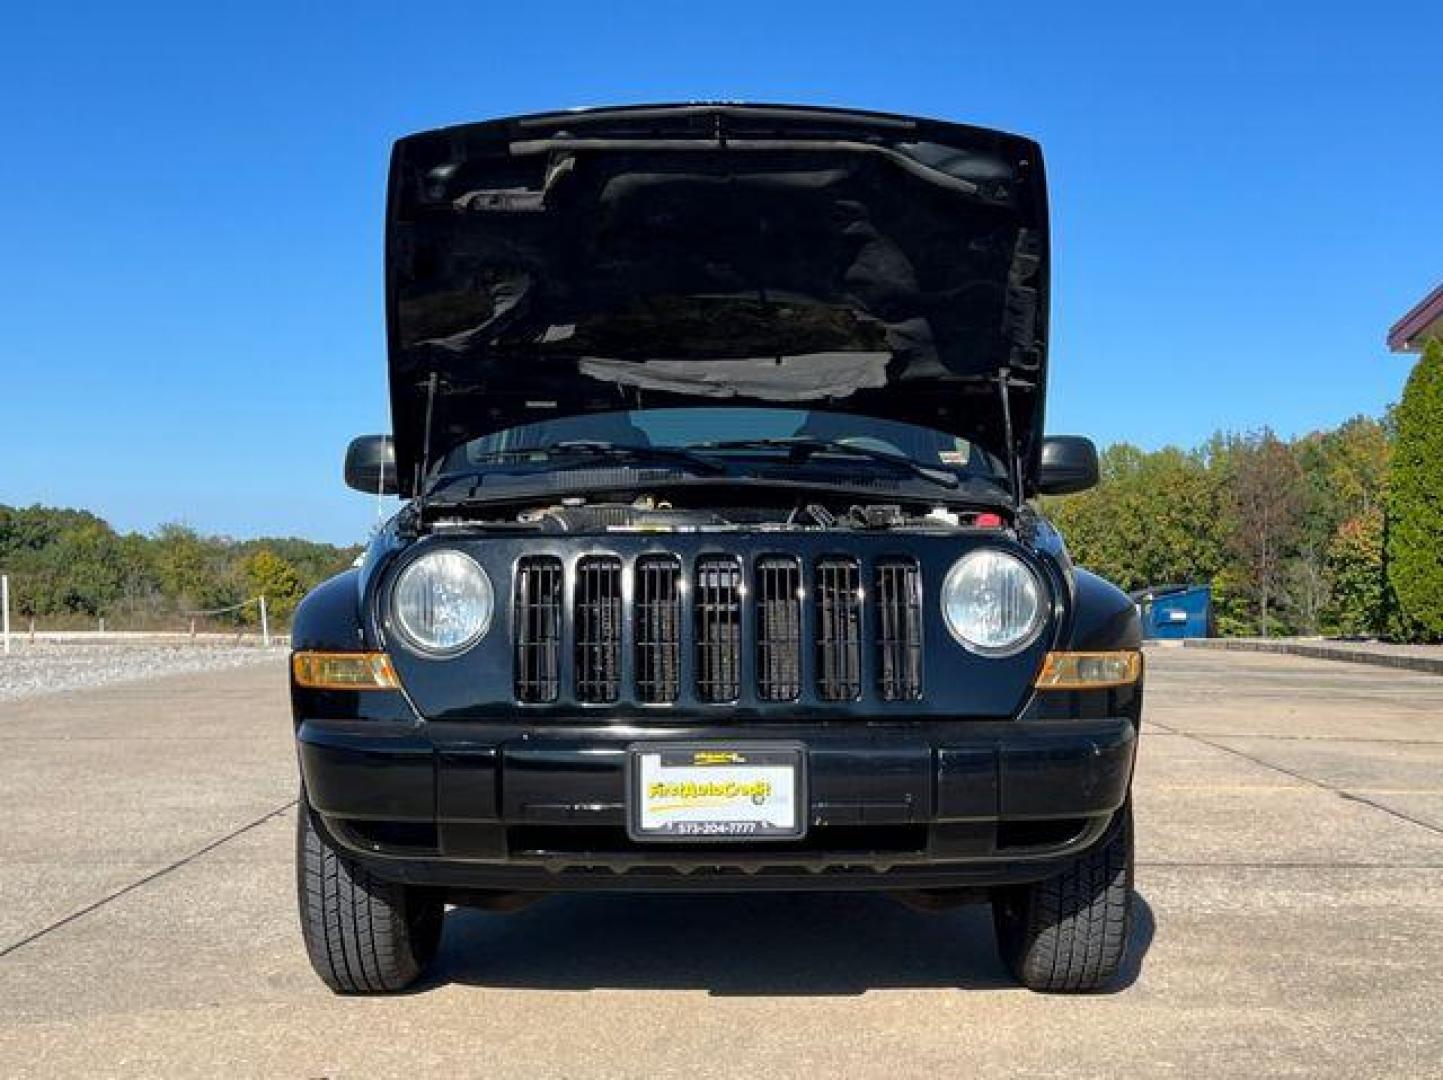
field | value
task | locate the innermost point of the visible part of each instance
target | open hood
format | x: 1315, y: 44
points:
x: 695, y: 255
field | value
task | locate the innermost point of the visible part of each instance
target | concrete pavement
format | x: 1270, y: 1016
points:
x: 1290, y: 823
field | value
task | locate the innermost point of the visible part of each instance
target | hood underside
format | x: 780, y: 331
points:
x: 715, y: 255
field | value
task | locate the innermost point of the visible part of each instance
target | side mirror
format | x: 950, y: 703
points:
x: 371, y: 465
x: 1069, y: 464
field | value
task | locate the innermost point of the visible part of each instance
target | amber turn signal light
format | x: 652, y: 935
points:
x: 344, y: 671
x: 1089, y: 670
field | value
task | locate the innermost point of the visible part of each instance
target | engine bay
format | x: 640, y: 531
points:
x: 649, y: 514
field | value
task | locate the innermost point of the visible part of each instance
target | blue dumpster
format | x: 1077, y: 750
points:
x: 1175, y: 611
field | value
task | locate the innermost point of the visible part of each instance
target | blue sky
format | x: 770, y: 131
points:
x: 1244, y: 198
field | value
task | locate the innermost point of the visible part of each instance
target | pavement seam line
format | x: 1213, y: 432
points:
x: 184, y: 860
x: 1345, y: 795
x: 1381, y: 867
x: 1305, y: 738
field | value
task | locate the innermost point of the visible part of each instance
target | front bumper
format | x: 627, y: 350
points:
x: 890, y: 805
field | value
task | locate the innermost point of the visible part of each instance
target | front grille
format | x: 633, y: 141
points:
x: 598, y: 629
x: 779, y: 628
x: 775, y: 629
x: 658, y: 629
x: 536, y: 610
x: 899, y: 631
x: 838, y: 591
x: 718, y: 628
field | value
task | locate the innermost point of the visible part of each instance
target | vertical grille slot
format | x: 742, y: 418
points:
x: 899, y: 630
x: 537, y: 614
x: 839, y: 629
x: 717, y: 611
x: 779, y: 628
x: 598, y: 629
x: 658, y: 629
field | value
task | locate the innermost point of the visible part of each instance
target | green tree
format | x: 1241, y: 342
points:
x: 69, y: 565
x: 313, y: 562
x: 61, y: 562
x: 1358, y: 605
x: 1415, y: 498
x: 267, y: 574
x: 1155, y: 519
x: 1345, y: 474
x: 141, y: 596
x: 194, y: 571
x: 88, y: 569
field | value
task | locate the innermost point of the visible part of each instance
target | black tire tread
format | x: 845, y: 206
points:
x: 1069, y: 933
x: 364, y: 935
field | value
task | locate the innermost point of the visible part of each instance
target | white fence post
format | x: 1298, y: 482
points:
x: 5, y: 611
x: 265, y: 624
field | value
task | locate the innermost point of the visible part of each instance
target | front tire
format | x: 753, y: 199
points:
x: 364, y: 935
x: 1068, y: 933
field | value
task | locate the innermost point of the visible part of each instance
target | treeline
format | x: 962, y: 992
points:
x: 1339, y: 532
x: 69, y: 567
x: 1289, y: 534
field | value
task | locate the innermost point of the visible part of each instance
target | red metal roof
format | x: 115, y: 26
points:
x: 1424, y: 321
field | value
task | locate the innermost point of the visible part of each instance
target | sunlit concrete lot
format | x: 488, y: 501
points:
x: 1290, y: 823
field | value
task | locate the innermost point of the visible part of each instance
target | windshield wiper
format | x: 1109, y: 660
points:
x: 590, y: 449
x: 801, y: 448
x: 671, y: 455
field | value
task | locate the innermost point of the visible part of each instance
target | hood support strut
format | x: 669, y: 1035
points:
x: 1014, y: 463
x: 423, y: 468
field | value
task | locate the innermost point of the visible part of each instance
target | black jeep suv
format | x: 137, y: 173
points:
x: 720, y: 428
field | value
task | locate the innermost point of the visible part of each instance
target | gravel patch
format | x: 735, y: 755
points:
x: 49, y: 667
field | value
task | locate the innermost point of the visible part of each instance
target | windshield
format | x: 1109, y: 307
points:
x: 694, y: 428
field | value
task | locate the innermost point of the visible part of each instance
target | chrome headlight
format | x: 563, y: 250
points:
x: 993, y: 603
x: 442, y: 602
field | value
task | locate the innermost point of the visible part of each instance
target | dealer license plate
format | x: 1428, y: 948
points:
x: 704, y: 791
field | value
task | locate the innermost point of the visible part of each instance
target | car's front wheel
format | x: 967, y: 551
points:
x: 364, y: 935
x: 1068, y: 933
